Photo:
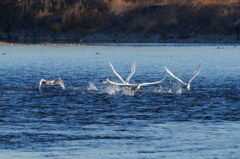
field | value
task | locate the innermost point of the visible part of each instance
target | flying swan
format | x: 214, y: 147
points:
x: 186, y: 85
x: 51, y: 83
x: 133, y: 69
x: 135, y: 87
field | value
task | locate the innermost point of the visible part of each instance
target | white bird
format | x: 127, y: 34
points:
x: 116, y: 83
x: 135, y: 87
x: 51, y: 83
x: 186, y: 85
x: 133, y: 69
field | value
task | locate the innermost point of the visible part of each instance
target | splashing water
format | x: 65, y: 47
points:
x: 92, y: 87
x: 177, y: 90
x: 112, y: 89
x: 127, y: 91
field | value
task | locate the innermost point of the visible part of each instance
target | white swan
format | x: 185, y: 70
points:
x: 51, y: 83
x: 186, y: 85
x: 135, y: 87
x: 133, y: 69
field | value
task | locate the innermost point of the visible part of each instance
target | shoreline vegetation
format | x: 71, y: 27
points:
x: 119, y: 21
x: 101, y: 39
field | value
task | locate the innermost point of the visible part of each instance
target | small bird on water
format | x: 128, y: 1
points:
x: 51, y: 83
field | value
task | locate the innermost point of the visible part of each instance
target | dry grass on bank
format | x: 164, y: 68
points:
x: 120, y: 6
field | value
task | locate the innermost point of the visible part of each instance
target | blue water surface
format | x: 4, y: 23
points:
x: 94, y: 120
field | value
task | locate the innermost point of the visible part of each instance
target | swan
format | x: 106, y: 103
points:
x: 186, y: 85
x: 133, y: 69
x: 135, y: 87
x: 51, y: 83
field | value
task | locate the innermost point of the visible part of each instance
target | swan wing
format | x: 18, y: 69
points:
x: 119, y: 84
x: 152, y: 83
x: 42, y: 81
x: 196, y: 72
x: 116, y: 72
x: 133, y: 69
x: 60, y: 82
x: 171, y: 74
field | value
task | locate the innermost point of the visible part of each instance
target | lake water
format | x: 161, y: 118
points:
x: 95, y: 120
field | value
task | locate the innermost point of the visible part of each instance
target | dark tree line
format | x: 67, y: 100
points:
x: 89, y: 16
x: 55, y: 15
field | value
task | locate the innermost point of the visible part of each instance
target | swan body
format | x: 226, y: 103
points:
x: 133, y: 69
x: 135, y: 87
x: 186, y: 84
x: 51, y: 83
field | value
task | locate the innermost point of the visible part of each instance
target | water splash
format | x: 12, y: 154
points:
x: 112, y: 89
x: 177, y: 90
x: 92, y: 87
x: 127, y: 91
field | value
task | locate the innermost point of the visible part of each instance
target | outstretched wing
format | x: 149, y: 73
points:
x: 43, y: 81
x: 196, y: 72
x: 119, y: 84
x: 133, y: 69
x: 60, y: 82
x: 151, y: 83
x: 116, y: 73
x: 171, y: 74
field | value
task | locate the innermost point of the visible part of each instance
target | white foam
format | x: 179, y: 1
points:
x: 127, y: 91
x: 112, y: 89
x: 177, y: 90
x: 92, y: 87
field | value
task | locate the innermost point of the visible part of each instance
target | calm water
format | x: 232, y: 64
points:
x: 93, y: 120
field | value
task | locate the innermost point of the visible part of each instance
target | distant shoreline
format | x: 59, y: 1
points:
x: 100, y: 39
x: 118, y: 44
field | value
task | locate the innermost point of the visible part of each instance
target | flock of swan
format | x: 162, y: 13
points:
x: 125, y: 83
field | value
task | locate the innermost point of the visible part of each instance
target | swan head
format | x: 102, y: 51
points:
x: 105, y: 81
